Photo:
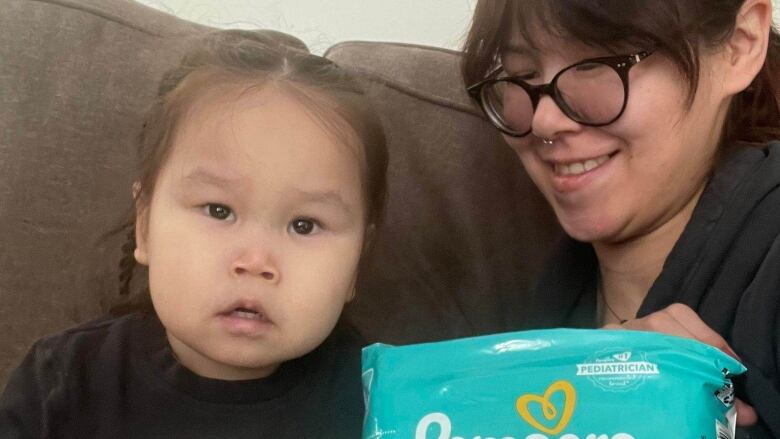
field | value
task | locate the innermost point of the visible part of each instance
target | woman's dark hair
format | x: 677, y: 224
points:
x: 680, y: 29
x: 251, y: 60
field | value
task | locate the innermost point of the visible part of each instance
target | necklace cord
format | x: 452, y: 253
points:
x: 600, y: 291
x: 612, y: 311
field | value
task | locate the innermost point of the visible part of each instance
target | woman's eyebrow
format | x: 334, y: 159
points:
x: 517, y: 49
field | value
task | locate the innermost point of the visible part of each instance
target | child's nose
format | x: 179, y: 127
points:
x: 256, y: 261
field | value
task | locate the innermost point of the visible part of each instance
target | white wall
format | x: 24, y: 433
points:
x: 321, y: 23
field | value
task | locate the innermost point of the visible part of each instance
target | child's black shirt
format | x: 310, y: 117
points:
x: 118, y: 378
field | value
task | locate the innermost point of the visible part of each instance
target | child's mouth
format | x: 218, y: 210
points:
x: 246, y: 313
x: 245, y: 318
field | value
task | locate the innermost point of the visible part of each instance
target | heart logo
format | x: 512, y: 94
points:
x: 549, y: 410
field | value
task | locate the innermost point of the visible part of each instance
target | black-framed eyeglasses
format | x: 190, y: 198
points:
x: 591, y: 92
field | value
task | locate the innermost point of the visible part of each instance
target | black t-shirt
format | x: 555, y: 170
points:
x: 118, y: 378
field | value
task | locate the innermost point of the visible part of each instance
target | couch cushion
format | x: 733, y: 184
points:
x: 75, y: 79
x: 465, y: 229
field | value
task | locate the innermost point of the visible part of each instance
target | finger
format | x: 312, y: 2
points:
x: 746, y: 414
x: 691, y: 321
x: 612, y: 326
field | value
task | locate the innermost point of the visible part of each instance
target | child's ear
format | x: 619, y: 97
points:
x: 746, y: 48
x: 136, y: 191
x: 141, y: 215
x: 140, y: 253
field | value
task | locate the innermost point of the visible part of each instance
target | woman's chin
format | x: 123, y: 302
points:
x: 589, y: 231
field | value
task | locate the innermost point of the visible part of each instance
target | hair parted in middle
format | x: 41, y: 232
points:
x: 252, y: 60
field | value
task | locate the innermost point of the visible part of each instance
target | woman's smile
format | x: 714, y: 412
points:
x: 568, y: 175
x: 579, y: 167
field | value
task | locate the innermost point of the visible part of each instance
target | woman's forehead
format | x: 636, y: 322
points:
x: 545, y: 46
x: 534, y: 34
x: 538, y: 29
x: 537, y: 43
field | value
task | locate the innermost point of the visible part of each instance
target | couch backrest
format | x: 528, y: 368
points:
x: 465, y: 230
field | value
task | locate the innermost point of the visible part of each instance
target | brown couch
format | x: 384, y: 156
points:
x: 465, y: 229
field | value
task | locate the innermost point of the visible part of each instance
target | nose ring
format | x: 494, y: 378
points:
x: 545, y: 140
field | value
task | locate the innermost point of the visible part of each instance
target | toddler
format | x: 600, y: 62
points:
x: 262, y: 177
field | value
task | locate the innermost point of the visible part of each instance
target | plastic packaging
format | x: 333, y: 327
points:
x: 550, y: 384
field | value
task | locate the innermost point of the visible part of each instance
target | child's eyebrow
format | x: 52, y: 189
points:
x: 203, y: 176
x: 331, y: 197
x: 323, y: 197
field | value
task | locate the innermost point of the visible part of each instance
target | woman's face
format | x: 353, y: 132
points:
x: 641, y: 173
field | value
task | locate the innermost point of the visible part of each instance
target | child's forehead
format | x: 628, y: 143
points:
x: 250, y: 133
x: 268, y: 103
x: 239, y: 123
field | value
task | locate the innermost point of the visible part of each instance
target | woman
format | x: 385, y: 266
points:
x: 649, y: 126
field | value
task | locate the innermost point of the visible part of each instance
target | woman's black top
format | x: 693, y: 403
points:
x: 725, y: 266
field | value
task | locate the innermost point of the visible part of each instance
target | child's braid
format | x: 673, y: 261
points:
x: 127, y: 263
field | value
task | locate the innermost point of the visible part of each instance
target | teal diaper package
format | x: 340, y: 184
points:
x: 550, y: 384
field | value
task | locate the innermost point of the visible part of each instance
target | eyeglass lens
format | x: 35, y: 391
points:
x: 590, y: 93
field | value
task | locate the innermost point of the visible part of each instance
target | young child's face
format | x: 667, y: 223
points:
x: 253, y: 233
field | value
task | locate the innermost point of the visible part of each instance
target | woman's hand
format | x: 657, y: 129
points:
x: 680, y: 320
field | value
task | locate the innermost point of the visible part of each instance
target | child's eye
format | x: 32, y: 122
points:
x: 304, y: 226
x: 218, y: 211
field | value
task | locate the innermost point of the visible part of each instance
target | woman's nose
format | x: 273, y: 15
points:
x: 256, y: 260
x: 549, y: 121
